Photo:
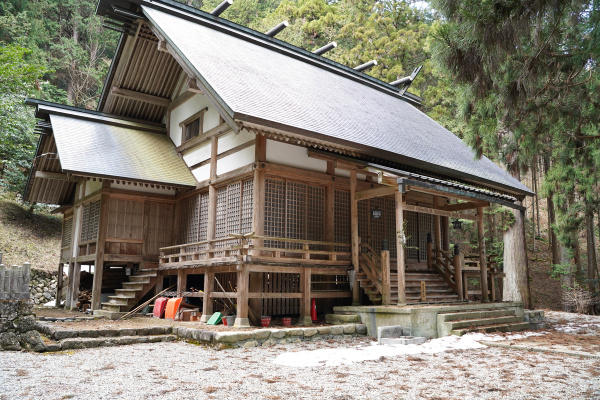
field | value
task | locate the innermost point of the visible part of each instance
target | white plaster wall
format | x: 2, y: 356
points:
x: 236, y: 160
x: 198, y: 154
x: 231, y: 140
x: 91, y: 187
x: 346, y: 174
x: 293, y: 156
x: 77, y: 215
x: 186, y: 110
x: 202, y: 173
x: 142, y: 188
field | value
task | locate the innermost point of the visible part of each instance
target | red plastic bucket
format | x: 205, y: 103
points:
x: 265, y: 321
x: 286, y: 321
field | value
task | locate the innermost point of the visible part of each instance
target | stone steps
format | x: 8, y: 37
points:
x: 518, y: 326
x: 497, y: 320
x: 87, y: 343
x: 339, y: 319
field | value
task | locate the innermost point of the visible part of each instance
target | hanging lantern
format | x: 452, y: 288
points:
x: 376, y: 213
x: 457, y: 224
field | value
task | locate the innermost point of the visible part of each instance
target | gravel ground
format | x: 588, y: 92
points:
x: 186, y: 371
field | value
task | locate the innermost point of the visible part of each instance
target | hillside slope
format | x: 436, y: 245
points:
x: 29, y: 237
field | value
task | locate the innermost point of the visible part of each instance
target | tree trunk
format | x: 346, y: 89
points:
x: 566, y: 279
x: 551, y: 220
x: 591, y: 249
x: 516, y: 283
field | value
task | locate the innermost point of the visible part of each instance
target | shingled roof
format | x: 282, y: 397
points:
x: 260, y: 81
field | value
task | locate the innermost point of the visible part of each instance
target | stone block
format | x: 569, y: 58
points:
x: 324, y: 330
x: 32, y: 341
x: 127, y: 332
x: 337, y: 330
x: 53, y: 347
x: 89, y: 333
x: 76, y: 343
x: 26, y: 323
x: 157, y: 330
x: 207, y: 336
x: 109, y: 332
x: 385, y: 332
x: 196, y: 334
x: 278, y: 333
x: 403, y: 340
x: 261, y: 334
x: 9, y: 341
x: 250, y: 343
x: 226, y: 337
x: 143, y: 331
x: 361, y: 329
x: 64, y: 334
x: 308, y: 332
x: 294, y: 332
x: 269, y: 342
x: 349, y: 329
x: 245, y: 335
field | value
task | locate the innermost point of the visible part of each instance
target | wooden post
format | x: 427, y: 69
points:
x: 207, y: 303
x: 181, y: 280
x: 159, y: 283
x: 100, y: 247
x: 430, y: 255
x: 437, y: 226
x: 482, y: 256
x: 446, y: 233
x: 241, y: 319
x: 306, y: 277
x: 75, y: 286
x: 458, y: 281
x: 59, y: 284
x: 386, y: 289
x: 354, y: 236
x: 400, y: 248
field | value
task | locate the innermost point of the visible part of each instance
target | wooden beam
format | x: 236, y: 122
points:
x: 306, y: 277
x: 433, y: 211
x: 207, y: 136
x: 400, y: 243
x: 354, y: 236
x: 100, y: 247
x: 341, y: 163
x: 375, y: 192
x: 162, y: 46
x: 176, y: 102
x: 143, y: 97
x: 465, y: 206
x: 52, y: 175
x: 192, y: 86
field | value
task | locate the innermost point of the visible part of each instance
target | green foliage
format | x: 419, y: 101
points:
x: 18, y: 79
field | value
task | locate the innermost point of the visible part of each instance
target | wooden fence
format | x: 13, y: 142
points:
x: 14, y: 281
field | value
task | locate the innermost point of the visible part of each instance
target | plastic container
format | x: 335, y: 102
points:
x: 229, y: 320
x: 265, y: 321
x: 159, y: 307
x: 286, y: 321
x: 172, y: 307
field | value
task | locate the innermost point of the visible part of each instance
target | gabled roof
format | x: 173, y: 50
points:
x: 262, y: 82
x: 91, y: 144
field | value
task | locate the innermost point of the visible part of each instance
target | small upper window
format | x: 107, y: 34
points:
x: 192, y: 126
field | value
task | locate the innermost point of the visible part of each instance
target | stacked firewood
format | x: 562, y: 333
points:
x: 85, y: 297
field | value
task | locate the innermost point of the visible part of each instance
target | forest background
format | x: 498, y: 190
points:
x: 516, y: 80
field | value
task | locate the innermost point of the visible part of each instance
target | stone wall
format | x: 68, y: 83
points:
x: 42, y: 286
x: 18, y: 327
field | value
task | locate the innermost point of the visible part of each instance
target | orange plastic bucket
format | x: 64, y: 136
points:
x: 172, y: 307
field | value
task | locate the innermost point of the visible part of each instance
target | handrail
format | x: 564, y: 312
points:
x: 373, y: 252
x: 178, y: 246
x: 302, y: 241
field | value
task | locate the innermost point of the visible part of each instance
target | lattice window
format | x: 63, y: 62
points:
x: 90, y: 221
x: 274, y: 210
x: 315, y: 214
x: 364, y: 207
x: 389, y: 215
x: 234, y: 210
x: 247, y: 205
x: 234, y: 200
x: 412, y: 235
x: 67, y: 233
x: 342, y: 218
x: 425, y: 227
x: 295, y: 212
x: 221, y: 223
x: 194, y: 219
x: 203, y: 218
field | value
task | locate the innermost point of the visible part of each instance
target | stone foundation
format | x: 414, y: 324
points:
x: 18, y: 327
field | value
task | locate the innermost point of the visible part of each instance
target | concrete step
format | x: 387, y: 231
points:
x: 109, y: 314
x: 120, y: 300
x: 473, y: 323
x: 475, y: 314
x: 338, y: 319
x: 112, y: 307
x: 141, y: 278
x: 138, y: 286
x: 131, y: 293
x: 514, y: 327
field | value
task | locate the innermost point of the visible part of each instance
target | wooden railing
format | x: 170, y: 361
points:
x: 377, y: 269
x: 443, y: 263
x: 250, y: 247
x: 472, y: 269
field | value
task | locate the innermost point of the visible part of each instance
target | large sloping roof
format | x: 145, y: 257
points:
x: 259, y: 83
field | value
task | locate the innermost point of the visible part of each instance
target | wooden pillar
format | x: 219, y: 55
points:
x: 386, y: 290
x: 482, y: 256
x: 159, y: 283
x: 207, y: 303
x: 446, y: 233
x: 74, y: 284
x: 258, y: 210
x: 354, y: 236
x: 100, y: 247
x: 306, y: 277
x: 181, y: 280
x: 241, y: 319
x: 430, y: 255
x: 400, y: 237
x: 59, y: 283
x: 437, y: 239
x: 458, y: 278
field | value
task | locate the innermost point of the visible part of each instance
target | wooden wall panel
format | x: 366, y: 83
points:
x: 125, y: 218
x: 160, y: 226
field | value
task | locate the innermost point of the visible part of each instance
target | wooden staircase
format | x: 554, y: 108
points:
x: 437, y: 289
x: 129, y: 295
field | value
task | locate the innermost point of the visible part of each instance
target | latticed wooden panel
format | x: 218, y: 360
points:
x: 280, y: 283
x: 67, y: 233
x: 412, y: 235
x: 391, y: 232
x: 221, y: 222
x: 375, y: 231
x: 90, y: 221
x: 425, y: 227
x: 247, y: 206
x: 342, y: 218
x: 193, y: 220
x: 294, y: 210
x: 234, y: 210
x: 274, y: 210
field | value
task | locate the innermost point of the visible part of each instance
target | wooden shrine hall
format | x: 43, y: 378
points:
x: 210, y: 166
